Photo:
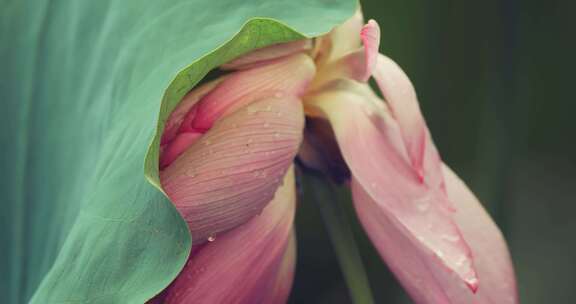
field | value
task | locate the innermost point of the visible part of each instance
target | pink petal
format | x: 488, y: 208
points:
x: 285, y: 76
x: 402, y: 255
x: 428, y: 283
x: 371, y: 144
x: 250, y: 264
x: 176, y: 147
x: 177, y: 116
x: 264, y: 55
x: 228, y: 176
x: 491, y: 256
x: 401, y: 98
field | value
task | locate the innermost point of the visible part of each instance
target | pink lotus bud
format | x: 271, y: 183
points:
x: 230, y: 143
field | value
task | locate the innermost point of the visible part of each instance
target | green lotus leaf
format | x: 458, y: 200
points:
x: 84, y: 87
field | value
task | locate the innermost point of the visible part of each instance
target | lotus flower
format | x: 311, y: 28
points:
x: 227, y: 155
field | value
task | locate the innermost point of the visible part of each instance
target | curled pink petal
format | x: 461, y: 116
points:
x: 232, y: 172
x: 251, y: 264
x: 182, y: 110
x: 401, y: 98
x: 370, y: 36
x: 266, y: 54
x: 177, y: 146
x: 371, y: 145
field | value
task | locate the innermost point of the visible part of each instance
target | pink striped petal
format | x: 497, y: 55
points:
x: 232, y: 172
x: 286, y: 76
x: 371, y: 144
x: 266, y: 54
x: 248, y: 265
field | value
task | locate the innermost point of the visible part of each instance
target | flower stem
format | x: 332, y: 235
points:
x: 330, y: 201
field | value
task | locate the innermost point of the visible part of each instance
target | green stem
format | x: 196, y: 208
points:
x: 330, y: 203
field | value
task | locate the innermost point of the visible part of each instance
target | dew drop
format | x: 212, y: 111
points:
x: 439, y: 253
x: 211, y: 238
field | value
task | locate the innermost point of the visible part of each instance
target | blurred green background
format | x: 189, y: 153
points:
x: 494, y: 79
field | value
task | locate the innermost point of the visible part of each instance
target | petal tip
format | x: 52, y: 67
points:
x: 473, y: 284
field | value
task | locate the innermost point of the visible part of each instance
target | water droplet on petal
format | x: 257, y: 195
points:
x: 211, y: 238
x: 439, y: 253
